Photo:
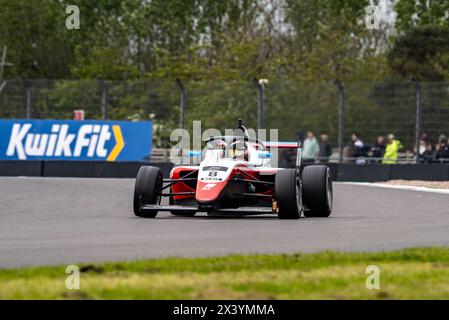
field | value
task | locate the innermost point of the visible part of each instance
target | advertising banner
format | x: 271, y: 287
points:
x: 89, y: 140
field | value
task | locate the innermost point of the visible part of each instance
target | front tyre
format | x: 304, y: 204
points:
x: 147, y: 190
x: 288, y: 194
x: 317, y: 191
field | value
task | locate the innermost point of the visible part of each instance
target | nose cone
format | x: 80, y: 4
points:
x: 213, y: 178
x: 207, y: 192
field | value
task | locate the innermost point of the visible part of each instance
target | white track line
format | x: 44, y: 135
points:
x: 398, y: 187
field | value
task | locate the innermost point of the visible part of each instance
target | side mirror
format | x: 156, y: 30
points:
x: 265, y: 155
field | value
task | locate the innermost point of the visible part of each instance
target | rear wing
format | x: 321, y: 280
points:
x: 288, y: 145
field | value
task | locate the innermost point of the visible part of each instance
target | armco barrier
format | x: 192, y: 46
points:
x: 420, y: 172
x: 97, y: 169
x: 77, y: 169
x: 103, y: 169
x: 21, y: 168
x: 379, y: 172
x: 365, y: 173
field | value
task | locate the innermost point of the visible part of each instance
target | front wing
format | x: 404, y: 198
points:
x: 224, y: 211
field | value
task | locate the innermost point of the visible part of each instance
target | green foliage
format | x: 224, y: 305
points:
x: 106, y: 63
x: 422, y: 52
x: 205, y: 40
x: 292, y: 106
x: 196, y: 40
x: 412, y: 13
x: 35, y: 34
x: 309, y: 17
x: 66, y: 96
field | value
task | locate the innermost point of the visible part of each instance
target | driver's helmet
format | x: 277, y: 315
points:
x: 239, y: 150
x: 219, y: 146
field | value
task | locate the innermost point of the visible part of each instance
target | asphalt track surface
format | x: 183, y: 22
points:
x: 47, y: 221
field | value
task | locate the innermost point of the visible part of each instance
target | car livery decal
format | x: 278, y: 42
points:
x: 215, y: 168
x: 209, y: 194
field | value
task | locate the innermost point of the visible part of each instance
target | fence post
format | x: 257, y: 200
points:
x: 341, y: 118
x: 182, y: 110
x: 29, y: 98
x: 418, y: 101
x: 105, y: 98
x: 3, y: 64
x: 260, y: 85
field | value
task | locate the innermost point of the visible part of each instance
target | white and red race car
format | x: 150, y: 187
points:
x: 236, y: 178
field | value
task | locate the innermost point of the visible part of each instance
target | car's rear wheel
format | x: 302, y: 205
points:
x: 147, y: 190
x: 317, y: 191
x: 288, y: 194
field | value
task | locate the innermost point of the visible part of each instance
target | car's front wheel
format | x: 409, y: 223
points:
x: 147, y: 190
x: 288, y: 194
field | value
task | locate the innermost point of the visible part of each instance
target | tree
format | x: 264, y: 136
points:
x: 34, y: 32
x: 415, y: 13
x: 422, y: 52
x: 308, y: 17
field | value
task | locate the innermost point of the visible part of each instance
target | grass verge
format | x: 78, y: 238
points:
x: 421, y: 273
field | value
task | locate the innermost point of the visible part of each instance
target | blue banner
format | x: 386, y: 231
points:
x: 87, y: 140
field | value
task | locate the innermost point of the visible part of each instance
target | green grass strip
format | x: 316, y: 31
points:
x: 421, y: 273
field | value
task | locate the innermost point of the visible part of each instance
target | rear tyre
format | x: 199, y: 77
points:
x: 317, y: 191
x: 147, y: 190
x: 288, y: 194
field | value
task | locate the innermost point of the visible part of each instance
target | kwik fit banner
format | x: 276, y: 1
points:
x: 75, y: 140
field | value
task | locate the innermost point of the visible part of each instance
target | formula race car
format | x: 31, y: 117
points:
x: 236, y: 178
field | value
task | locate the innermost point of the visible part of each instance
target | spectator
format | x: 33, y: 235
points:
x: 424, y: 136
x: 310, y: 149
x: 442, y: 150
x: 358, y: 150
x: 378, y: 149
x: 357, y: 146
x: 426, y: 152
x: 392, y: 150
x: 325, y: 148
